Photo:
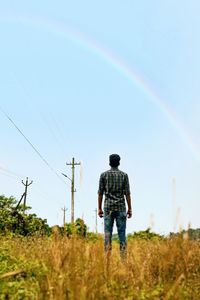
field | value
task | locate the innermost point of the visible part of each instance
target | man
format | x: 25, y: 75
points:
x: 114, y: 184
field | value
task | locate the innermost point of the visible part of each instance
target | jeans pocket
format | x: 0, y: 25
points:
x: 122, y: 214
x: 106, y: 214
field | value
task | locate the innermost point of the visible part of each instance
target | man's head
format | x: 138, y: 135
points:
x: 114, y: 160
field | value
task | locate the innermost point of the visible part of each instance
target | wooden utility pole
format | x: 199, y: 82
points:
x: 73, y: 164
x: 25, y: 193
x: 64, y: 219
x: 174, y: 191
x: 175, y: 212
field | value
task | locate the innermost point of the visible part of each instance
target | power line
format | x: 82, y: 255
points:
x: 8, y: 175
x: 54, y: 129
x: 2, y: 169
x: 32, y: 146
x: 26, y: 94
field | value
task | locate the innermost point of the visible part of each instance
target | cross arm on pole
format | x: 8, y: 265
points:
x: 30, y: 182
x: 27, y: 184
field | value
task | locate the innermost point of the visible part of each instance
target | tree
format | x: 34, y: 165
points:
x: 79, y: 228
x: 13, y: 219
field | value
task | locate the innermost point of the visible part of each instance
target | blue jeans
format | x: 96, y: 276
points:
x: 120, y: 217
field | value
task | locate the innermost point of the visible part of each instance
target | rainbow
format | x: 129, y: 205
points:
x: 63, y: 31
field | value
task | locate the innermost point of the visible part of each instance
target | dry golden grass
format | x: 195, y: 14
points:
x: 61, y: 268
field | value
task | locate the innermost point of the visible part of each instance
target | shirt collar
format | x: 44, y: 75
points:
x: 114, y: 168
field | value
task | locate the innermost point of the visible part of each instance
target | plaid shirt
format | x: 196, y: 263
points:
x: 114, y: 184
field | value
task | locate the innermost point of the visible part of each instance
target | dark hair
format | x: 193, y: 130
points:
x: 114, y: 160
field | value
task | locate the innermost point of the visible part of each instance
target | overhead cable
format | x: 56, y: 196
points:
x: 32, y: 146
x: 26, y: 94
x: 8, y: 175
x: 3, y: 169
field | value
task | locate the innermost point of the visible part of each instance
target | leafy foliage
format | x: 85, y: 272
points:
x: 145, y: 235
x: 192, y: 234
x: 79, y: 227
x: 14, y: 221
x: 94, y: 237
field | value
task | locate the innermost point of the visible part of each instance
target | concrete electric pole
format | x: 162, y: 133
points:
x: 73, y: 164
x: 64, y: 218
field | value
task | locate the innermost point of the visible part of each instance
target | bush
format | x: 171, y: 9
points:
x: 79, y: 227
x: 145, y: 235
x: 13, y: 220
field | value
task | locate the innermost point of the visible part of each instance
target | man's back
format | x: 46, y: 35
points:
x: 114, y: 184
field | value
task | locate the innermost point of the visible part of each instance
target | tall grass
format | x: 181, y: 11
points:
x: 72, y: 268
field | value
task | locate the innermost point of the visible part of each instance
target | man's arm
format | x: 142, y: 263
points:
x: 100, y: 196
x: 128, y: 200
x: 100, y: 211
x: 128, y: 196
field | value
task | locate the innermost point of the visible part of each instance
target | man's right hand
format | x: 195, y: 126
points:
x: 129, y: 213
x: 100, y: 213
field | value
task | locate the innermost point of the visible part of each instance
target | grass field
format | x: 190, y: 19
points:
x: 74, y: 268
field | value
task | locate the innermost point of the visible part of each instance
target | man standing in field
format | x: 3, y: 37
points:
x: 114, y: 184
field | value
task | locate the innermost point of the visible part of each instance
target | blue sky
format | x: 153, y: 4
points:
x: 65, y: 81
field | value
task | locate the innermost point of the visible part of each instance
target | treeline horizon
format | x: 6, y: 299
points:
x: 15, y: 219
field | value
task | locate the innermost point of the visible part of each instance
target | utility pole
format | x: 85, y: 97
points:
x: 175, y: 212
x: 174, y: 191
x: 64, y: 211
x: 73, y: 164
x: 96, y: 224
x: 25, y: 193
